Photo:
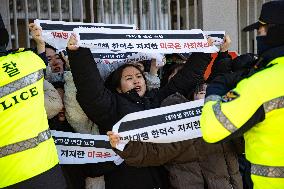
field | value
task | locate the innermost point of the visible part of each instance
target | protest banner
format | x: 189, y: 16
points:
x: 161, y: 125
x: 126, y: 57
x: 147, y: 41
x: 57, y: 33
x: 76, y: 148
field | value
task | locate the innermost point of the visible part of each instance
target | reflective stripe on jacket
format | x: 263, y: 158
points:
x: 23, y: 119
x: 264, y: 141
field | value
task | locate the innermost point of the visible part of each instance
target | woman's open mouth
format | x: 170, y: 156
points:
x: 57, y: 69
x: 137, y: 89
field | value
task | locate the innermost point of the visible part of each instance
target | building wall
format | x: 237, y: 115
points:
x: 221, y: 15
x: 228, y: 15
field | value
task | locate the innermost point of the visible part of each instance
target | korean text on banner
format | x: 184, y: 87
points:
x: 57, y: 33
x: 147, y: 41
x: 161, y: 125
x: 76, y: 148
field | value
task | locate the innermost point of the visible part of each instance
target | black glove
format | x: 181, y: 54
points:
x: 226, y: 82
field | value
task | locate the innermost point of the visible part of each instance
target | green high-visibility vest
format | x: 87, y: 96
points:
x: 26, y: 148
x: 264, y: 142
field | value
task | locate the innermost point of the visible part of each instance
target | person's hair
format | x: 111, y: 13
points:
x: 53, y: 48
x: 196, y: 90
x: 199, y: 87
x: 113, y: 81
x: 136, y: 63
x: 50, y: 47
x: 168, y: 71
x: 64, y: 62
x: 176, y: 68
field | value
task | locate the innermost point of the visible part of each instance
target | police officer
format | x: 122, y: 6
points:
x: 28, y: 156
x: 253, y: 105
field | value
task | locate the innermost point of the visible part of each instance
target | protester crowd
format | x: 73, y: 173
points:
x: 193, y: 163
x: 82, y: 96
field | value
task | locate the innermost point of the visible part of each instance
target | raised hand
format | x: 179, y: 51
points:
x: 227, y: 43
x: 36, y: 34
x: 113, y: 138
x: 73, y: 43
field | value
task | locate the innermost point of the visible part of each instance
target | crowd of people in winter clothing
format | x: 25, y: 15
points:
x: 89, y: 98
x: 85, y: 97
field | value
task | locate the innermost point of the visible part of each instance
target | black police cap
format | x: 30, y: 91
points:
x: 271, y: 13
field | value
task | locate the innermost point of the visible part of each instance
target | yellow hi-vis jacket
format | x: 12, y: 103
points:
x: 264, y: 142
x: 26, y: 147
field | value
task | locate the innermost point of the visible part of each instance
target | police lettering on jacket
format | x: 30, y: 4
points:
x: 19, y: 98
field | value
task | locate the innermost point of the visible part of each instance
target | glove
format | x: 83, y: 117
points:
x: 224, y: 83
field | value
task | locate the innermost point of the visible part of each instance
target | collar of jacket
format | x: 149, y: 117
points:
x: 4, y: 52
x: 269, y: 55
x: 133, y: 96
x: 145, y: 101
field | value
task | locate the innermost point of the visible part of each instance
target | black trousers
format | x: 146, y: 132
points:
x: 51, y: 179
x: 245, y: 172
x: 76, y: 174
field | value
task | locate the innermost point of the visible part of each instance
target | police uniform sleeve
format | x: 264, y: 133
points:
x: 230, y: 115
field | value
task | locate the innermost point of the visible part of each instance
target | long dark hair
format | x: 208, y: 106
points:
x: 169, y: 71
x: 113, y: 81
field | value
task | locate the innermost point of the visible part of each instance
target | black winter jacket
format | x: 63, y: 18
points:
x: 106, y: 108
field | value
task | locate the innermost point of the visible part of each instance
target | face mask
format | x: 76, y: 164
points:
x: 55, y: 77
x: 261, y: 46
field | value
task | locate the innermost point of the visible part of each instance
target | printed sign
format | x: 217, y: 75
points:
x: 161, y: 125
x: 147, y: 41
x: 57, y: 33
x: 76, y: 148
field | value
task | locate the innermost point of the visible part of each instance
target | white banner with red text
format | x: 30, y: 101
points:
x: 57, y: 33
x: 76, y: 148
x: 147, y: 41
